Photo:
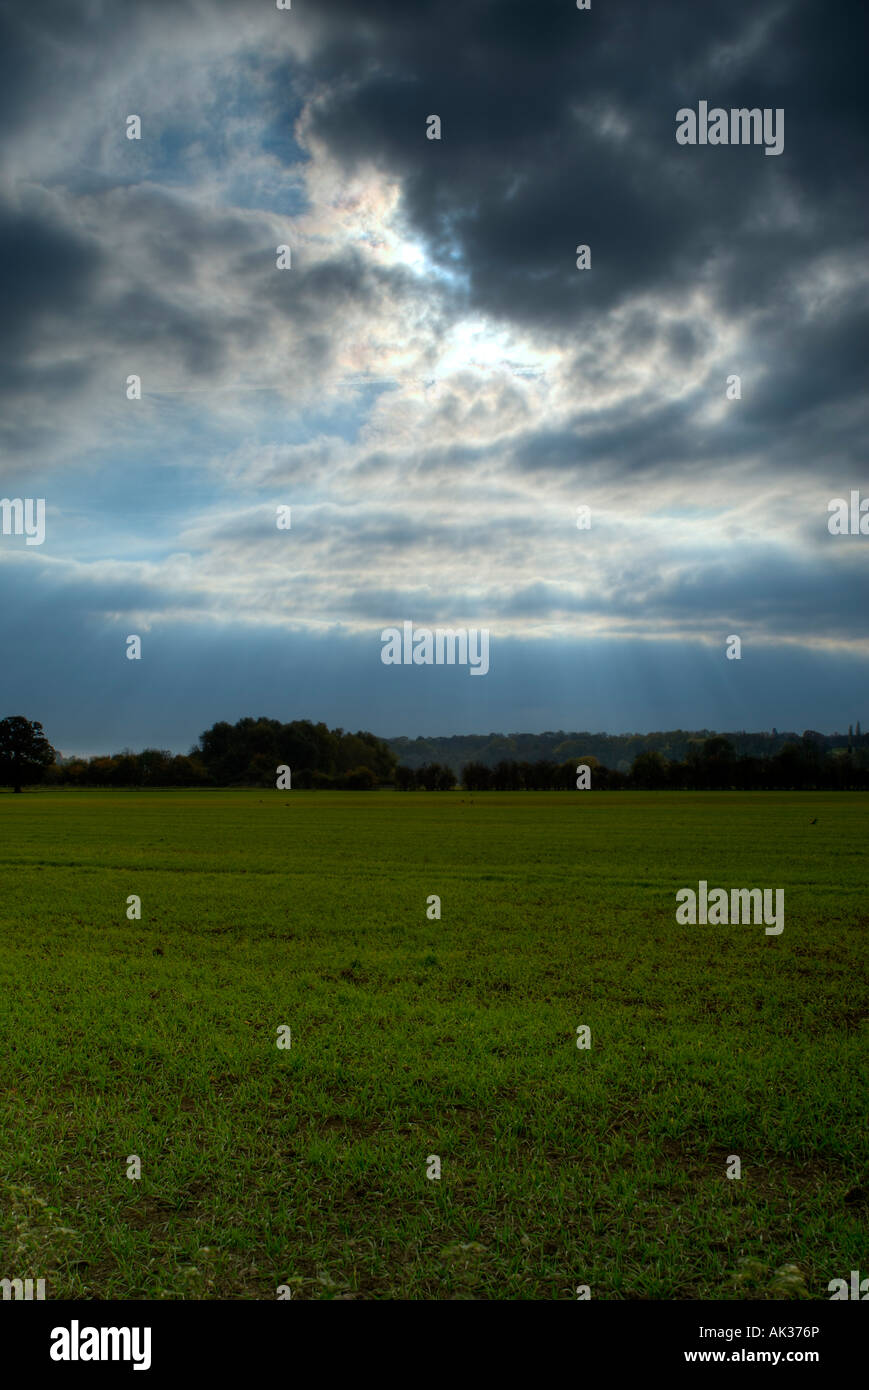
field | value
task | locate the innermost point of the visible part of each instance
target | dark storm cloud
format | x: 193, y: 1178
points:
x: 48, y: 272
x: 559, y: 128
x: 47, y: 275
x: 643, y: 436
x: 819, y: 363
x: 528, y: 163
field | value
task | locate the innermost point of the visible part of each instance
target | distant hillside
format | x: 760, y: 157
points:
x: 616, y: 751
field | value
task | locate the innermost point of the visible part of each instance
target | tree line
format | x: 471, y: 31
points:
x: 712, y: 765
x: 616, y: 751
x: 244, y: 754
x: 249, y: 752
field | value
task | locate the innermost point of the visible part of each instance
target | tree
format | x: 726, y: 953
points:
x: 506, y: 776
x: 360, y: 779
x: 248, y: 752
x: 792, y: 767
x: 25, y: 752
x: 435, y: 777
x: 717, y: 761
x: 649, y: 771
x: 476, y: 777
x: 154, y: 765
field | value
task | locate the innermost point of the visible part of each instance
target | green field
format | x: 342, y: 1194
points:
x: 307, y: 1167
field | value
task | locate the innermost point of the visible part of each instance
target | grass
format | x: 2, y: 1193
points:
x: 410, y: 1037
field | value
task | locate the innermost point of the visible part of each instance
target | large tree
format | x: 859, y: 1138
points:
x: 25, y: 752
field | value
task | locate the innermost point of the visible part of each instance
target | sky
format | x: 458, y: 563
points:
x: 431, y: 385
